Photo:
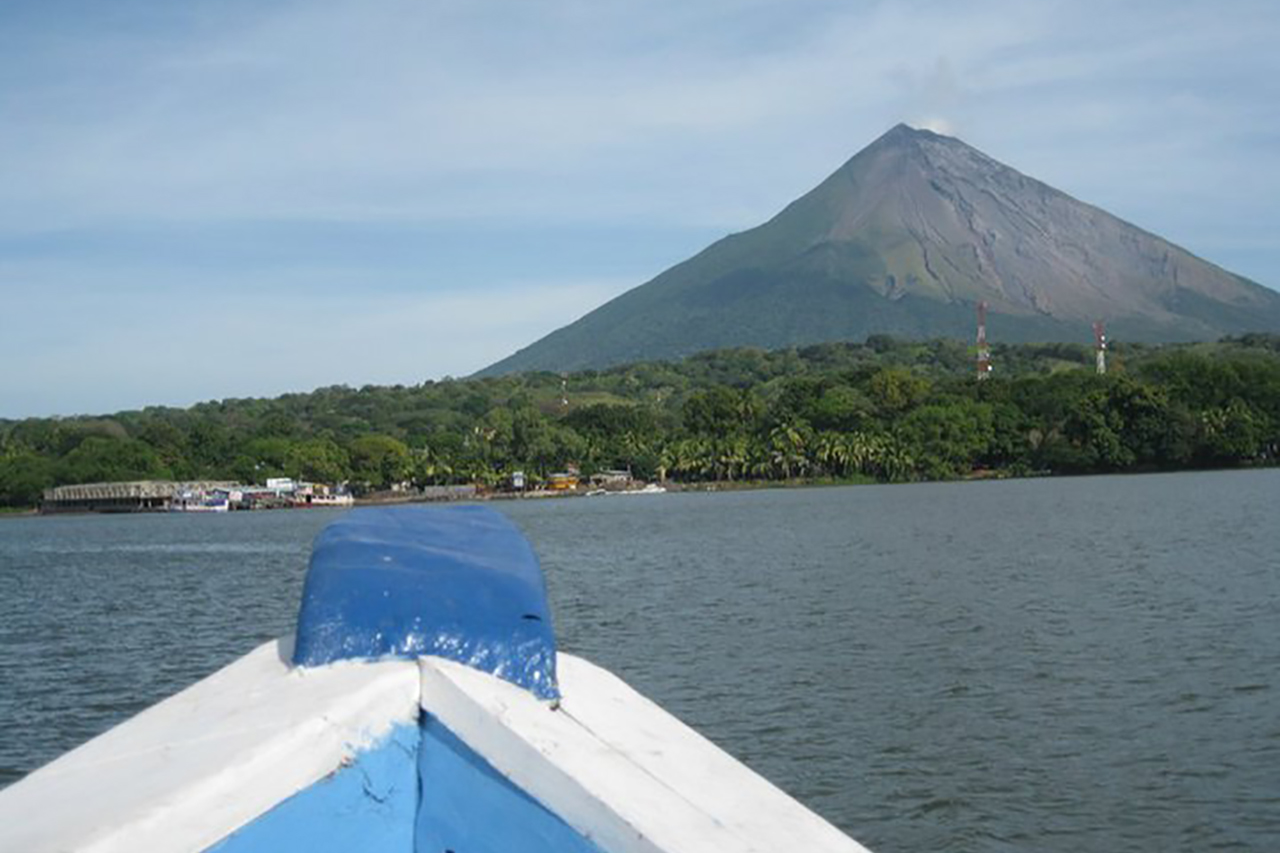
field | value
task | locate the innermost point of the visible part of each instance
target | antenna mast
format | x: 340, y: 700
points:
x: 984, y: 352
x: 1100, y: 346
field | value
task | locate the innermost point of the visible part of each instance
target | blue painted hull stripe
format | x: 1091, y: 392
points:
x: 469, y: 806
x: 369, y: 805
x: 420, y: 788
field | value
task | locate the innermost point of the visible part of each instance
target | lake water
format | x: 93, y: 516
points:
x: 1047, y: 665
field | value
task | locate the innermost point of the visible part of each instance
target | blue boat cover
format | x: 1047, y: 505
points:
x: 457, y: 582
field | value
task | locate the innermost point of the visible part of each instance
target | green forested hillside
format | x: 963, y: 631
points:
x: 884, y: 409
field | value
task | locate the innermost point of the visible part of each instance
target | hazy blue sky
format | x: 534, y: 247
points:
x: 225, y: 198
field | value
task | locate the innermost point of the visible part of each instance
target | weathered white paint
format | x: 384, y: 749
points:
x: 193, y: 769
x: 188, y: 771
x: 620, y: 769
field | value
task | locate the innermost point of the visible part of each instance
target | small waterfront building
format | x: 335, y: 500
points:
x: 617, y: 479
x: 321, y: 494
x: 563, y: 481
x: 189, y: 497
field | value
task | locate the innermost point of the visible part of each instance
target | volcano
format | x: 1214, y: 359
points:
x: 905, y: 239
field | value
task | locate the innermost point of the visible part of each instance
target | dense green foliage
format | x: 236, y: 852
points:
x: 884, y: 410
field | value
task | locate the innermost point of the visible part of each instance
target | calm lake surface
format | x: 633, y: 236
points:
x: 1048, y: 665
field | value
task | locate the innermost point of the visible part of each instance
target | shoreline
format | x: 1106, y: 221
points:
x: 674, y: 487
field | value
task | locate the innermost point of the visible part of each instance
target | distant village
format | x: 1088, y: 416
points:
x: 287, y: 493
x: 202, y: 496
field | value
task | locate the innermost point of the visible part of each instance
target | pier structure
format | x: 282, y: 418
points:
x: 136, y: 496
x: 133, y: 496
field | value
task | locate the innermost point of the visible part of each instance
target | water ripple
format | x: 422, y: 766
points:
x: 1048, y: 665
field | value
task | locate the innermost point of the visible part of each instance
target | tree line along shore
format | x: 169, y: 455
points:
x: 884, y: 410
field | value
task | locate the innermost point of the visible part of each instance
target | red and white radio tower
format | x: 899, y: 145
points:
x: 1100, y: 346
x: 984, y: 352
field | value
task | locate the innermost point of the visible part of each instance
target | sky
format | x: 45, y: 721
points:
x: 244, y: 198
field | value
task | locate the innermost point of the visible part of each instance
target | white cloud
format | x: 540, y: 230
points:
x: 342, y: 109
x: 338, y: 109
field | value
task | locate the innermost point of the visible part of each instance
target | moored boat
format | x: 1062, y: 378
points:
x: 201, y: 500
x: 421, y: 704
x: 648, y: 489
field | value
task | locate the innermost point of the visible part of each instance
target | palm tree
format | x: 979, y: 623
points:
x: 861, y: 451
x: 731, y: 455
x: 893, y: 461
x: 832, y: 452
x: 692, y: 458
x: 787, y: 448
